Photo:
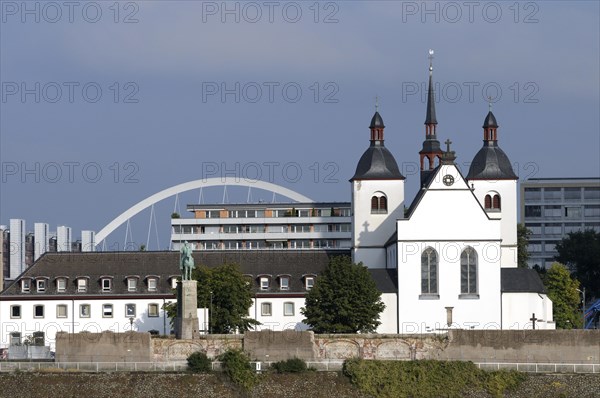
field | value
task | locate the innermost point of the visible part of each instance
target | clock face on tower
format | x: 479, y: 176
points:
x: 448, y: 180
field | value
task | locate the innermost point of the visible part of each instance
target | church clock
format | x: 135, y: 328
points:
x: 448, y: 180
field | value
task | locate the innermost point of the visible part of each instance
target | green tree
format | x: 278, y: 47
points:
x: 344, y: 299
x: 562, y: 290
x: 523, y: 234
x: 227, y: 295
x: 580, y: 251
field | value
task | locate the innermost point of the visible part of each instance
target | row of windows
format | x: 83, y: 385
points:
x: 538, y: 229
x: 284, y: 282
x: 261, y: 228
x: 84, y: 311
x: 332, y: 212
x: 266, y: 309
x: 554, y: 211
x: 429, y: 271
x: 557, y: 194
x: 106, y: 284
x: 265, y: 244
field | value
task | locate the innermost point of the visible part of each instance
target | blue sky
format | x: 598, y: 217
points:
x: 162, y: 118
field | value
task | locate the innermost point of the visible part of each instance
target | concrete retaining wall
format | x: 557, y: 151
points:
x: 103, y: 347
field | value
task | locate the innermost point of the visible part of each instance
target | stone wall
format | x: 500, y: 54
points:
x: 553, y: 346
x: 103, y: 347
x: 169, y: 350
x: 269, y: 345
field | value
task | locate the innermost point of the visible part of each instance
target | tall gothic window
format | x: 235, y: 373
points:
x: 468, y: 271
x: 429, y: 271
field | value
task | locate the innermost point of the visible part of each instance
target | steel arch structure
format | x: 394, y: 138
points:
x: 188, y: 186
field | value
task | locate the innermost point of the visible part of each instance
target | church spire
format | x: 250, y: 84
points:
x: 431, y: 153
x: 430, y: 119
x: 376, y: 126
x: 490, y: 126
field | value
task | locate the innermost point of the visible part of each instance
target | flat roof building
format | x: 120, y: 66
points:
x: 553, y: 207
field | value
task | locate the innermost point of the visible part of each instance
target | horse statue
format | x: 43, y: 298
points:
x: 186, y: 264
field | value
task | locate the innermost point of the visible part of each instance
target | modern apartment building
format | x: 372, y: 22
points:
x: 265, y: 226
x: 553, y: 207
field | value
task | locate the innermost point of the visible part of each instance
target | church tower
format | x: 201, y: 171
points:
x: 431, y: 153
x: 494, y: 183
x: 377, y: 199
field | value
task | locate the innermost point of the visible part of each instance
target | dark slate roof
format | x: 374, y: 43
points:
x: 385, y: 279
x: 430, y: 117
x: 377, y: 163
x: 521, y: 280
x: 431, y: 146
x: 491, y: 163
x: 490, y: 120
x: 376, y: 121
x: 119, y: 265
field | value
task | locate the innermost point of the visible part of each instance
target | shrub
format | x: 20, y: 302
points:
x: 293, y: 365
x: 199, y: 362
x: 427, y: 378
x: 236, y: 365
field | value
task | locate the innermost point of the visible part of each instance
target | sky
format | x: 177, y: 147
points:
x: 106, y: 103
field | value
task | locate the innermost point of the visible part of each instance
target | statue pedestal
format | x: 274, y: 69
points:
x: 186, y: 323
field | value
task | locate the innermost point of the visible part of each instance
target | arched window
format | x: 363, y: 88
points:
x: 379, y: 204
x: 383, y: 204
x: 374, y: 204
x: 468, y: 271
x: 429, y: 271
x: 496, y: 204
x: 488, y: 202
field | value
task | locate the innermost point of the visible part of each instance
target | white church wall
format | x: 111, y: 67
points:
x: 389, y: 316
x: 419, y: 313
x: 371, y: 231
x: 507, y: 189
x: 518, y: 308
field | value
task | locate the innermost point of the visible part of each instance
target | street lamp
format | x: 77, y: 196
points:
x: 583, y: 306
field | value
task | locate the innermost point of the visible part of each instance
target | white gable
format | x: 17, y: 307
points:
x: 448, y: 212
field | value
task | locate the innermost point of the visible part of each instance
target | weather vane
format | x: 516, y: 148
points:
x: 430, y: 60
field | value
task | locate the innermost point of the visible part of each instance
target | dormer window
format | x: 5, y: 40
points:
x: 174, y: 282
x: 309, y: 282
x: 132, y: 284
x: 61, y: 285
x: 25, y: 285
x: 106, y: 284
x: 81, y: 285
x: 153, y: 284
x: 264, y: 283
x: 284, y: 283
x: 41, y: 285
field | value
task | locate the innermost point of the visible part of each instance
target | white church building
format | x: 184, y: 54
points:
x: 455, y: 246
x: 446, y: 260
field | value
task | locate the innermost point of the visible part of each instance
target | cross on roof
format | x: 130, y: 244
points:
x: 448, y: 142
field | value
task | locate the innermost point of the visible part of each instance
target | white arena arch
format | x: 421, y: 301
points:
x: 188, y: 186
